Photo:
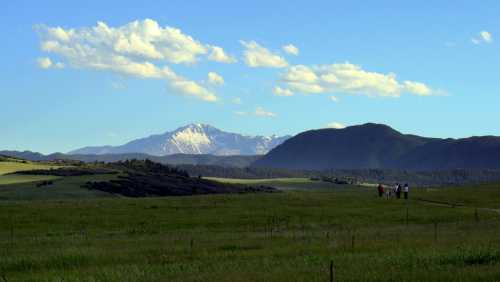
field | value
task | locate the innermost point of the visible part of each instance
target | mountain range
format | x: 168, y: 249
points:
x: 367, y: 146
x: 380, y: 146
x: 191, y: 139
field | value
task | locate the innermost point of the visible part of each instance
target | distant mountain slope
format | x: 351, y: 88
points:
x: 177, y: 159
x: 379, y: 146
x: 192, y: 139
x: 472, y: 153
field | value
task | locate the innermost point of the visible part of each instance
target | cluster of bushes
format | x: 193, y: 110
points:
x: 147, y: 178
x: 147, y: 166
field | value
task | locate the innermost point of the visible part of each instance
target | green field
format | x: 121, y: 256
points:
x: 78, y: 235
x: 20, y: 178
x: 13, y: 166
x: 7, y: 167
x: 63, y: 188
x: 281, y: 183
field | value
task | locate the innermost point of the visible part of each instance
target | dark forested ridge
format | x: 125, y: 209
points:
x: 376, y: 146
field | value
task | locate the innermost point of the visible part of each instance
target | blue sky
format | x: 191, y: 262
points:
x: 67, y: 81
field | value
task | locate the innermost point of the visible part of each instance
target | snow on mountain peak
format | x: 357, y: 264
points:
x: 195, y: 138
x: 191, y: 136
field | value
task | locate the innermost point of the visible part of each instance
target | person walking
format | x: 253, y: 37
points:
x: 398, y: 191
x: 406, y: 190
x: 380, y: 189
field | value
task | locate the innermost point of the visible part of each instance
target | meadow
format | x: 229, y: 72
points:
x: 13, y: 166
x: 448, y: 234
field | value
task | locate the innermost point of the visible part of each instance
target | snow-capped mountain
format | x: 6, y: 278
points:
x: 192, y: 139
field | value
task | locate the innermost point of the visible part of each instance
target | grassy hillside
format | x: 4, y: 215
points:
x: 24, y: 187
x: 446, y: 234
x: 13, y: 166
x: 18, y: 178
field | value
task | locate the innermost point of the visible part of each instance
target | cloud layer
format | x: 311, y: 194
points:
x: 135, y: 49
x: 349, y: 78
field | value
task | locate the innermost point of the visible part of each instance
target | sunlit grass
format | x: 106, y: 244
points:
x: 289, y: 236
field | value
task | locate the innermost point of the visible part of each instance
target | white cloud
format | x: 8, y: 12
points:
x: 278, y: 91
x: 483, y: 37
x: 486, y: 36
x: 46, y: 63
x: 349, y: 78
x: 300, y: 73
x: 260, y: 112
x: 219, y: 55
x: 215, y: 79
x: 194, y: 89
x: 258, y: 56
x: 417, y: 88
x: 291, y: 49
x: 139, y: 48
x: 334, y: 99
x: 336, y: 125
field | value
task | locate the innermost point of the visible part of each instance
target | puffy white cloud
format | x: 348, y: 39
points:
x: 417, y: 88
x: 291, y: 49
x: 483, y: 37
x: 194, y: 89
x: 278, y: 91
x: 46, y: 63
x: 260, y: 112
x: 137, y: 49
x: 215, y: 79
x: 334, y: 99
x: 258, y: 56
x: 300, y: 73
x: 219, y: 55
x: 336, y: 125
x: 349, y: 78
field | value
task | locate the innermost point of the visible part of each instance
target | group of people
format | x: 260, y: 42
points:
x: 395, y: 191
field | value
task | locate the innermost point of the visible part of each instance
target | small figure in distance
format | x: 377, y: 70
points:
x: 380, y: 189
x: 398, y: 191
x: 406, y: 190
